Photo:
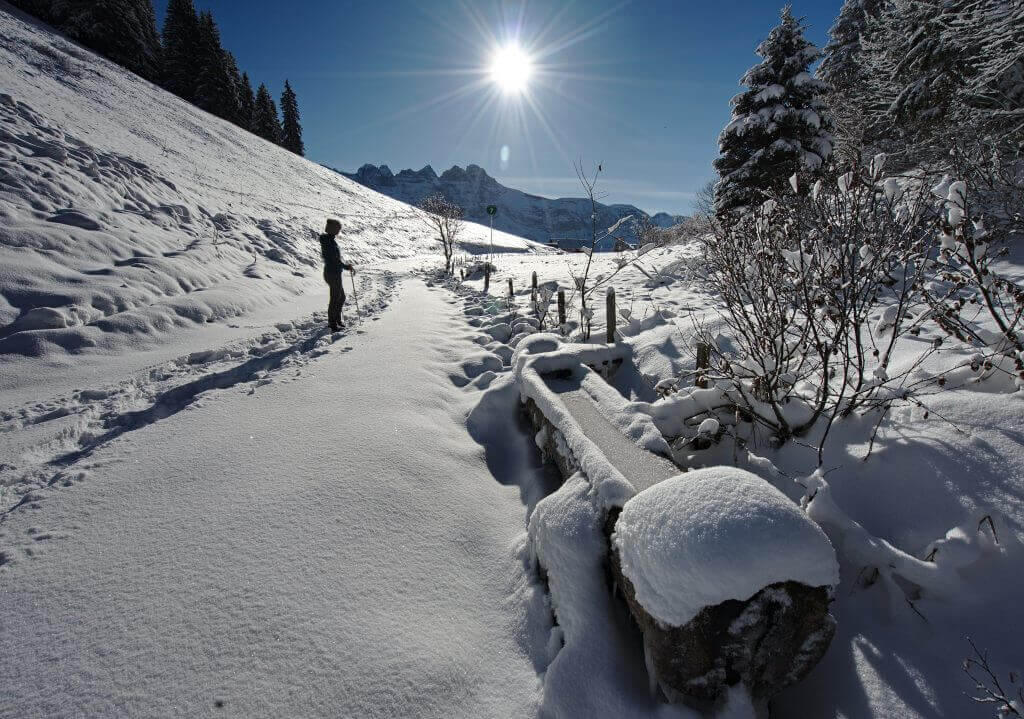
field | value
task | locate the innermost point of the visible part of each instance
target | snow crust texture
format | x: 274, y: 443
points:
x: 715, y: 534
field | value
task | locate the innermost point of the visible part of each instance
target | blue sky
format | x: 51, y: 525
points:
x: 642, y: 87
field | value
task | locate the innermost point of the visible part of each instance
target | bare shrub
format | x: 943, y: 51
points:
x: 802, y: 278
x: 444, y: 218
x: 989, y: 689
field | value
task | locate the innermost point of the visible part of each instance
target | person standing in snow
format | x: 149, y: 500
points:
x: 333, y: 265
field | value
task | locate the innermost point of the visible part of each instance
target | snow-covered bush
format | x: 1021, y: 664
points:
x: 801, y: 279
x: 989, y: 689
x: 821, y: 291
x: 967, y: 295
x: 584, y: 286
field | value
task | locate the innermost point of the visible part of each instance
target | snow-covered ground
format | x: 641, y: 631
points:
x: 130, y: 220
x: 208, y: 503
x: 926, y: 476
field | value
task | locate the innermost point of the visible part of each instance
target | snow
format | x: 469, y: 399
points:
x: 206, y: 497
x: 714, y: 534
x: 131, y: 221
x: 598, y: 671
x: 287, y: 549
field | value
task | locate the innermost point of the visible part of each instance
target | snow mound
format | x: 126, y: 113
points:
x: 715, y: 534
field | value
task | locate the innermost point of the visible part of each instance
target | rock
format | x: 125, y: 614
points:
x: 768, y: 642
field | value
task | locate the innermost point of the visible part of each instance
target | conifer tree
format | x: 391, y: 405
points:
x: 247, y: 105
x: 42, y: 9
x: 906, y: 76
x: 215, y: 90
x: 238, y: 117
x: 291, y: 130
x: 181, y: 49
x: 843, y: 72
x: 778, y: 127
x: 266, y: 125
x: 913, y: 73
x: 123, y: 31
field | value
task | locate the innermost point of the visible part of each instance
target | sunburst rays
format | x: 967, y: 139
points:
x: 512, y: 95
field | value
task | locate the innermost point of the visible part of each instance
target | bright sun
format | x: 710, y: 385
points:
x: 511, y: 69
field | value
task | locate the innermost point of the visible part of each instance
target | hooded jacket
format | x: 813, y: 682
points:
x: 332, y: 255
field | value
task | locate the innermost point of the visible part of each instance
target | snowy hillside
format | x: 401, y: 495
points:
x: 519, y: 213
x: 128, y: 215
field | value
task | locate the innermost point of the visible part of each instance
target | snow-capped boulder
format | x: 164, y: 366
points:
x: 729, y: 581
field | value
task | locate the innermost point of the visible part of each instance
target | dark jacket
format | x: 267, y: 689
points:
x: 332, y: 255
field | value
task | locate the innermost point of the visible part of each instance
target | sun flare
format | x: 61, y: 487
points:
x: 511, y: 69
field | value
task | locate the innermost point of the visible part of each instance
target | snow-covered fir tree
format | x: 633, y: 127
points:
x: 122, y: 30
x: 291, y: 129
x: 181, y: 49
x: 215, y: 90
x: 266, y: 122
x: 842, y: 70
x: 42, y: 9
x: 906, y: 76
x: 996, y: 30
x: 778, y: 126
x: 913, y: 72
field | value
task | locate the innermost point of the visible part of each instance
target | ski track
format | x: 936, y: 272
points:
x: 95, y: 417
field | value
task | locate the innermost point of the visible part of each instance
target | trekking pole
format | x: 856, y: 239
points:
x: 355, y: 296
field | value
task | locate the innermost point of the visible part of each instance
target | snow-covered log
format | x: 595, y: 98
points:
x: 729, y: 581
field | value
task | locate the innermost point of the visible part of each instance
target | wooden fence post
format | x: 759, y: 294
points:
x: 511, y: 292
x: 610, y: 322
x: 561, y: 307
x: 533, y: 289
x: 487, y: 276
x: 703, y: 363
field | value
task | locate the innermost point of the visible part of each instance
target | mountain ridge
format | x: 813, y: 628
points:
x: 521, y: 213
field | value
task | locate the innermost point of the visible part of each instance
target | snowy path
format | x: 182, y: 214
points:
x: 329, y: 546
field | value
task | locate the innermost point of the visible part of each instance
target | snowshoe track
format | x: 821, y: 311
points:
x: 89, y: 419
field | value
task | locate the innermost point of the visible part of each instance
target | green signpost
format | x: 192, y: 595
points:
x: 492, y: 210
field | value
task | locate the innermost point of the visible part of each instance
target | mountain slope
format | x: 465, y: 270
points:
x: 128, y: 215
x: 519, y: 213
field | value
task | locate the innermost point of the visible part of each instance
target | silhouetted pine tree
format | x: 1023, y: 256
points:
x: 267, y: 124
x: 235, y: 74
x: 121, y: 30
x: 247, y: 105
x: 42, y: 9
x: 291, y: 130
x: 214, y: 86
x: 778, y: 127
x: 181, y: 49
